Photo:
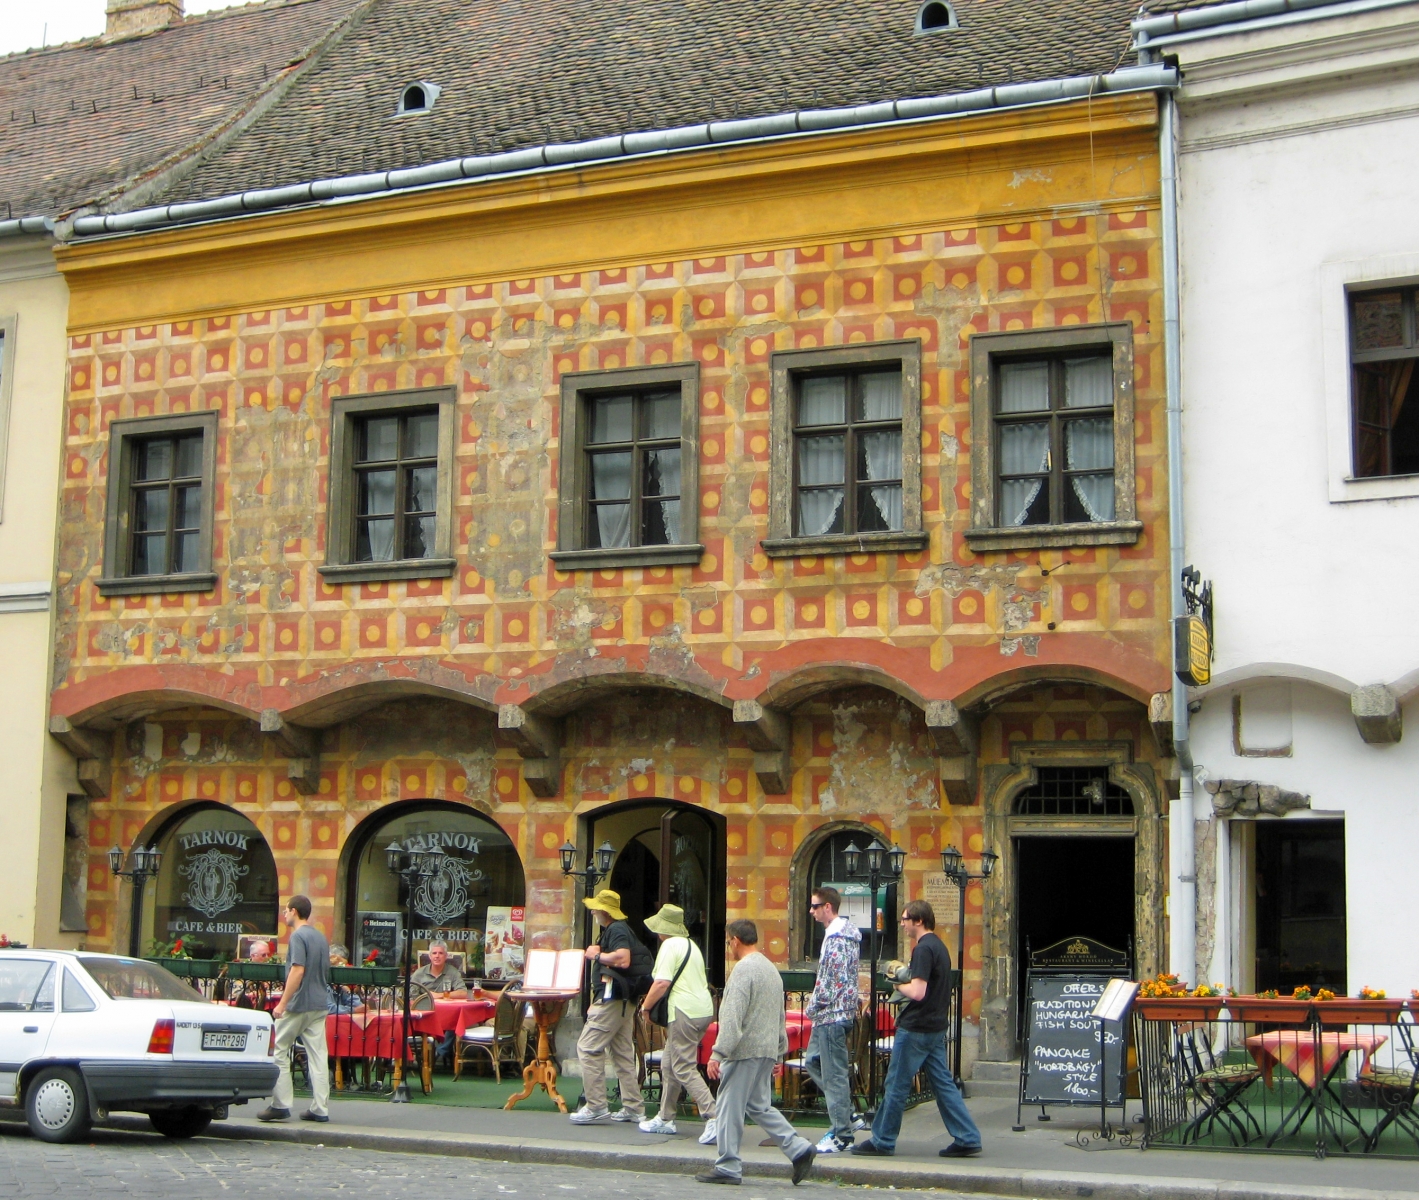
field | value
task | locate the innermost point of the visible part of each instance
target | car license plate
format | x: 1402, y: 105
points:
x: 223, y: 1039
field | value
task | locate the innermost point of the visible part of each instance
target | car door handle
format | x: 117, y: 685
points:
x: 31, y: 1028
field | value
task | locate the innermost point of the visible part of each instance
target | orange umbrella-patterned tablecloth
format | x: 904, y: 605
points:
x: 1298, y: 1050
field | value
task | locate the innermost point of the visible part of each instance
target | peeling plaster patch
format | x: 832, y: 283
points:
x: 192, y: 743
x: 152, y: 742
x: 1030, y: 643
x: 875, y: 765
x: 953, y: 579
x: 1033, y: 175
x: 638, y: 766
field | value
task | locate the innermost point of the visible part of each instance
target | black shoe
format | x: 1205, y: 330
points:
x: 802, y: 1165
x: 274, y: 1114
x: 323, y: 1118
x: 717, y: 1177
x: 872, y: 1148
x: 956, y: 1150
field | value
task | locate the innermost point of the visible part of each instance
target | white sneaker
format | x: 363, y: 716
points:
x: 656, y: 1124
x: 589, y: 1116
x: 710, y: 1134
x: 858, y: 1123
x: 828, y: 1145
x: 625, y: 1114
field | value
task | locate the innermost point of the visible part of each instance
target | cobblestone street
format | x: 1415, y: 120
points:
x: 133, y: 1164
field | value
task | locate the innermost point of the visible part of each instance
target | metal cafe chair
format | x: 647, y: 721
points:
x: 1393, y: 1089
x: 494, y: 1038
x: 1220, y: 1089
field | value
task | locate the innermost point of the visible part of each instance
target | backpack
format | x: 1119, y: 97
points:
x: 634, y: 982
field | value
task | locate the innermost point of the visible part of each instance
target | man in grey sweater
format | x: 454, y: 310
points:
x: 751, y: 1040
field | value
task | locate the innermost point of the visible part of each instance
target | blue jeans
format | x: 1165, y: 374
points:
x: 913, y: 1052
x: 826, y: 1064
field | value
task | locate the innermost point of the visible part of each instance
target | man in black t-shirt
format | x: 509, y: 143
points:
x: 920, y: 1044
x: 610, y: 1025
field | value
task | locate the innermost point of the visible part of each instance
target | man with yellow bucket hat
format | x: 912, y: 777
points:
x: 623, y: 967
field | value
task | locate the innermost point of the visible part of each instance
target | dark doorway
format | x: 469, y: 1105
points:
x: 1070, y: 887
x: 1300, y: 905
x: 668, y: 853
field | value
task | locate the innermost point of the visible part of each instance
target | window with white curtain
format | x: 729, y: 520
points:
x: 629, y: 468
x: 845, y: 475
x: 391, y: 486
x: 1052, y: 456
x: 847, y: 443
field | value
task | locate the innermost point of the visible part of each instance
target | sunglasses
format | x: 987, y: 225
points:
x: 815, y: 907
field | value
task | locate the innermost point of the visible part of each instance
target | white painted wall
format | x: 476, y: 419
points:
x: 1298, y: 147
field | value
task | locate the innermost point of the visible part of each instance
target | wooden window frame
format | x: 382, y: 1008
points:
x: 987, y: 350
x: 124, y: 435
x: 786, y: 366
x: 578, y: 387
x: 1409, y: 321
x: 340, y: 565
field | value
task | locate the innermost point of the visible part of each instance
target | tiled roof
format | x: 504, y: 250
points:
x: 79, y: 120
x: 522, y: 73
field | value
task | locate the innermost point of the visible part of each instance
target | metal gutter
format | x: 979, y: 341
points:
x: 622, y: 147
x: 1182, y: 849
x: 1156, y: 33
x: 22, y: 225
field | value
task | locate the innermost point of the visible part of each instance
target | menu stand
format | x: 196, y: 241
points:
x: 547, y: 1007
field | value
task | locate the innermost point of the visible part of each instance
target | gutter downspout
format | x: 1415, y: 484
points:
x: 1182, y: 851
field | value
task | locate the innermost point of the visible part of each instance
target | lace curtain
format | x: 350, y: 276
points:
x: 820, y: 462
x: 1089, y: 446
x: 1024, y: 450
x: 611, y: 480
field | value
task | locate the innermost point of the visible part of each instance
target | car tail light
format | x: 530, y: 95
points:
x: 161, y: 1041
x: 271, y: 1042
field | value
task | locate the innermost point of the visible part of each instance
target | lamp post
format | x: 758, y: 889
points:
x: 410, y: 866
x: 882, y: 864
x: 143, y: 864
x: 953, y: 863
x: 598, y: 864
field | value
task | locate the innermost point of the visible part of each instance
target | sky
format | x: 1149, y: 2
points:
x: 24, y: 24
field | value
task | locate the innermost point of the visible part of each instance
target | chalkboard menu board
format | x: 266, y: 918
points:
x: 379, y: 934
x: 1061, y: 1062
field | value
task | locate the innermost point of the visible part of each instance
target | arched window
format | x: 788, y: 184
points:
x: 934, y: 16
x: 829, y: 869
x: 1074, y: 792
x: 475, y: 903
x: 418, y: 97
x: 217, y: 882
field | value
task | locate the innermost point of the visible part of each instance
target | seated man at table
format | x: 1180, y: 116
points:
x: 342, y: 999
x: 260, y: 952
x: 442, y: 979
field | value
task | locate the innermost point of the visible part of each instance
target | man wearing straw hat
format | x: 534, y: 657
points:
x: 620, y: 961
x: 680, y: 971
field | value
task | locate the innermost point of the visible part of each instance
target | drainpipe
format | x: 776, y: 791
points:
x: 1182, y: 865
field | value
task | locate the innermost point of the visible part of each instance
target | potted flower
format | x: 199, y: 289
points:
x: 1165, y: 998
x: 1269, y: 1007
x: 1370, y: 1007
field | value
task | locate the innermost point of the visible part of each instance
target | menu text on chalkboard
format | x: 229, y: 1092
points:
x: 1062, y: 1046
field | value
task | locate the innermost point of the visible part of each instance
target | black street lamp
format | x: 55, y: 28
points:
x: 877, y: 872
x: 594, y: 870
x: 143, y: 864
x: 953, y: 863
x: 410, y: 866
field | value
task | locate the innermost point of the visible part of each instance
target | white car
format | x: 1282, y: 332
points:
x: 82, y: 1035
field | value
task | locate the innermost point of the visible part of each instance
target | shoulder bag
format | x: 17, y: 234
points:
x: 659, y: 1012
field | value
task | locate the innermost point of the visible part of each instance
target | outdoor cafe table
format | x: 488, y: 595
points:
x: 1314, y: 1059
x: 380, y: 1035
x: 798, y: 1028
x: 546, y: 1008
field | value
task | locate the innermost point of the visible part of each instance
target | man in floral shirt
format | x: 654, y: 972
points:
x: 833, y: 1010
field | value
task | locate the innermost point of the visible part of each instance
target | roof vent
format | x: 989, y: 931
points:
x: 935, y: 16
x: 418, y: 97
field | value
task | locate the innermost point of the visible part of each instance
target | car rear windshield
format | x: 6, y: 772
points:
x: 133, y: 979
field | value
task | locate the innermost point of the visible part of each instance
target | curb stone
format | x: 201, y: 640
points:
x: 987, y: 1181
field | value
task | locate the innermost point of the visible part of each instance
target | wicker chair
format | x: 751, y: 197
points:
x: 499, y: 1039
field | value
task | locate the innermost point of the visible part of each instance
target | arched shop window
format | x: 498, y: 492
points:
x: 217, y: 882
x: 475, y: 902
x: 829, y: 869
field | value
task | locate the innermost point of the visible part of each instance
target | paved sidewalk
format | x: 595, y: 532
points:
x: 1042, y: 1162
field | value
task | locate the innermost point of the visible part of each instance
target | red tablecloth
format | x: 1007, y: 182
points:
x: 798, y: 1027
x: 1296, y: 1050
x: 452, y: 1016
x: 364, y: 1035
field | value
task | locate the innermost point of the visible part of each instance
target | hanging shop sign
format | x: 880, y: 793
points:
x: 1192, y: 632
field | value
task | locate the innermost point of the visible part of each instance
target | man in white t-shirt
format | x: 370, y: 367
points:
x: 680, y: 970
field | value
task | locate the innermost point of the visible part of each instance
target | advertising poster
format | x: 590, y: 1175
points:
x: 378, y: 943
x: 503, y: 941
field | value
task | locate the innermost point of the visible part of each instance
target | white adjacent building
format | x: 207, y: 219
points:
x: 1297, y: 149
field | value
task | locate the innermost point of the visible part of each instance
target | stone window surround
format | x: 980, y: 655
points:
x: 784, y: 364
x: 571, y: 553
x: 985, y: 348
x: 1337, y: 281
x: 123, y: 432
x: 339, y: 566
x: 9, y: 323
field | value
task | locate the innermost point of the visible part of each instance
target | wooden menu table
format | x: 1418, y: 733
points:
x: 547, y: 1009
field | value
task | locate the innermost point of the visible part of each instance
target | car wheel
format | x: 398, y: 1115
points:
x: 57, y: 1105
x: 181, y: 1122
